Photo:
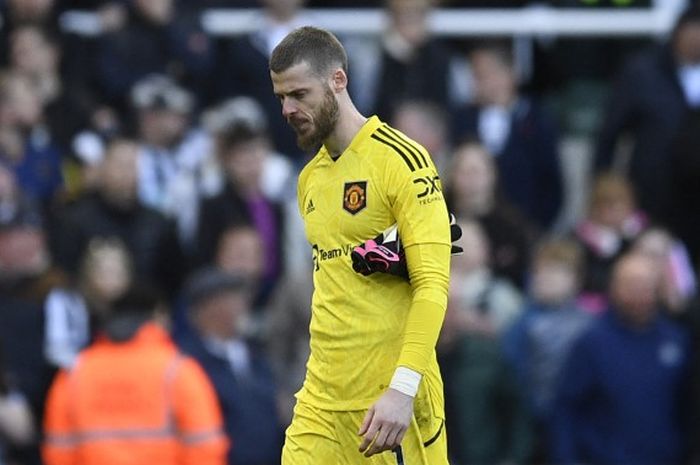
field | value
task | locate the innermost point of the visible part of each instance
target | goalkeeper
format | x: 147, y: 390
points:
x: 372, y: 392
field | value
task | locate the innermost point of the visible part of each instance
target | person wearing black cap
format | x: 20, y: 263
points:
x: 219, y: 304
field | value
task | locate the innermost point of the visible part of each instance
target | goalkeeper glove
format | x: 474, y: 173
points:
x: 385, y: 253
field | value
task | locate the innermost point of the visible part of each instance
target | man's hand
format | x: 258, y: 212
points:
x: 385, y: 253
x: 386, y: 422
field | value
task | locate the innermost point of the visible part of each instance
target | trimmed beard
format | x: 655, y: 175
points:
x: 324, y: 124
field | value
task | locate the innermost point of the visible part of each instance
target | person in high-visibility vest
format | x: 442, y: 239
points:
x: 132, y: 398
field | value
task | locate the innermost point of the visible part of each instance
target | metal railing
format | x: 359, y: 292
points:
x: 453, y: 22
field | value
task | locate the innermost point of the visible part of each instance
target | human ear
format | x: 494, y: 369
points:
x: 339, y: 80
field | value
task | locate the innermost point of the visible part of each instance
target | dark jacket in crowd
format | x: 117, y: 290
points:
x: 647, y: 102
x: 248, y: 404
x: 22, y: 361
x: 399, y: 81
x: 528, y: 165
x: 683, y: 215
x: 149, y: 236
x: 253, y: 80
x: 179, y: 49
x: 229, y: 209
x: 39, y: 172
x: 537, y: 344
x: 622, y: 395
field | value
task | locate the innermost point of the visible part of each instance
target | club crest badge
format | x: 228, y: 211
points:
x: 355, y: 196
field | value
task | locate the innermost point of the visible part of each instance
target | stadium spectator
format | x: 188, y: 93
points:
x: 678, y: 281
x: 17, y: 423
x: 517, y: 131
x: 176, y: 166
x: 132, y: 398
x: 219, y: 307
x: 623, y: 389
x: 25, y: 143
x: 611, y: 224
x: 276, y: 181
x: 275, y: 20
x: 242, y: 151
x: 36, y: 54
x: 426, y: 123
x: 278, y: 173
x: 488, y: 419
x: 682, y: 217
x: 41, y: 13
x: 690, y: 319
x: 240, y: 252
x: 286, y: 334
x: 74, y: 311
x: 15, y: 208
x: 472, y: 192
x: 26, y: 276
x: 650, y: 102
x: 538, y: 342
x: 114, y: 210
x: 393, y: 68
x: 154, y: 39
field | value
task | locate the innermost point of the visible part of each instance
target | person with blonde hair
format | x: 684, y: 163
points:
x: 612, y: 222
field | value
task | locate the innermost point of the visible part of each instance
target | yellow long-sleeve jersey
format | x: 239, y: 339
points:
x: 363, y: 327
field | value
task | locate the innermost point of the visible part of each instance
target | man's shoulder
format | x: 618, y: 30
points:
x: 673, y: 329
x: 308, y: 169
x: 600, y: 328
x: 400, y: 153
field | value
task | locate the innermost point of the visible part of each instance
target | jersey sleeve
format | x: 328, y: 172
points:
x: 417, y: 202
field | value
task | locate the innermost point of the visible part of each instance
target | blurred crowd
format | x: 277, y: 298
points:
x: 148, y: 203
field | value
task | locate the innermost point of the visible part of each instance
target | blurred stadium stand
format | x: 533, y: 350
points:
x: 448, y: 22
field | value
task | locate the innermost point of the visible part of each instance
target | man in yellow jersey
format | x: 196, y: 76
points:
x: 373, y: 392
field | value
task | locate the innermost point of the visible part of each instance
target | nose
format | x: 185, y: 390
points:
x: 288, y: 108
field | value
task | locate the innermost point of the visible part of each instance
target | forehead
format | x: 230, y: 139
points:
x: 637, y: 268
x: 293, y: 78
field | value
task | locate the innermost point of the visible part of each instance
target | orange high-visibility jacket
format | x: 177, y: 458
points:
x: 134, y: 403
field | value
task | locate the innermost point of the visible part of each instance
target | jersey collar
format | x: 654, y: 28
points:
x: 371, y: 125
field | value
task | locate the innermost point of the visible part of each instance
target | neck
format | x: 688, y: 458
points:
x: 350, y: 121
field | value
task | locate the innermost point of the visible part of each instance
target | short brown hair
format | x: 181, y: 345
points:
x: 318, y: 47
x: 562, y: 251
x: 611, y: 187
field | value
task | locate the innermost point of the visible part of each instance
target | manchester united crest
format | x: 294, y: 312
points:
x: 355, y: 196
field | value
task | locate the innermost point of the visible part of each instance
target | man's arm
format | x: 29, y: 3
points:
x: 198, y: 417
x: 417, y: 203
x: 577, y: 380
x: 389, y: 418
x: 59, y: 446
x: 619, y: 113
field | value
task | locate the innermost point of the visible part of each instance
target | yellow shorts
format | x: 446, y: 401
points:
x: 324, y: 437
